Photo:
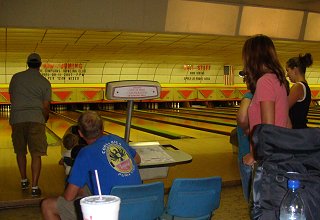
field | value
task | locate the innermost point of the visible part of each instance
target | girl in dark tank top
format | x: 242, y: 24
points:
x: 300, y: 94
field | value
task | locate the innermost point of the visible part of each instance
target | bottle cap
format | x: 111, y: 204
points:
x: 293, y: 184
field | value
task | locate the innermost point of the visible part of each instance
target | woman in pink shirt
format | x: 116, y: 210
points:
x: 267, y: 82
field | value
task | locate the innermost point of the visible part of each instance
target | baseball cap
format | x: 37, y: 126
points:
x: 34, y: 58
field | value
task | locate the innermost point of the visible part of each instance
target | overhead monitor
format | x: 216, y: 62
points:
x: 132, y: 90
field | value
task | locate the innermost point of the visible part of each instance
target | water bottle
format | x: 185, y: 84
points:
x: 292, y: 207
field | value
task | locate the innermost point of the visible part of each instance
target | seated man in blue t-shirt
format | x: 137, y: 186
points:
x: 115, y: 161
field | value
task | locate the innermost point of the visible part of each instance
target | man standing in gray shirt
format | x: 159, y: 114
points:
x: 30, y: 96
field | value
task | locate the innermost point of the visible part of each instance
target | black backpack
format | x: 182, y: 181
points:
x: 283, y: 154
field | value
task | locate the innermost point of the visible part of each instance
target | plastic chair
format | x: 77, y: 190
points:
x: 194, y: 198
x: 143, y: 202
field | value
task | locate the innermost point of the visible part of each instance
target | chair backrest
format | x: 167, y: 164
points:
x: 143, y: 201
x: 194, y: 197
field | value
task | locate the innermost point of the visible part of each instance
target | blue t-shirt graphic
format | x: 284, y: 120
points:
x: 112, y: 157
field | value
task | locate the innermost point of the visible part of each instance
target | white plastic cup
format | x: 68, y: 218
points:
x: 96, y: 208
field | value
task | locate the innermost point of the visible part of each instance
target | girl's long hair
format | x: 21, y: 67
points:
x: 260, y: 57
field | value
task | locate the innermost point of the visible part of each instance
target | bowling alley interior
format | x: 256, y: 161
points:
x: 190, y: 53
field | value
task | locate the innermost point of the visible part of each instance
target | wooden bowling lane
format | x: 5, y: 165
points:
x: 217, y: 109
x: 212, y: 153
x: 213, y: 158
x: 313, y: 118
x: 110, y: 127
x: 52, y: 175
x: 314, y: 115
x: 315, y: 109
x: 58, y: 125
x: 191, y: 113
x: 5, y: 132
x: 51, y: 179
x: 195, y: 122
x: 162, y: 122
x: 209, y: 111
x: 201, y: 117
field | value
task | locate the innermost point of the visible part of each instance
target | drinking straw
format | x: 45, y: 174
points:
x: 98, y: 183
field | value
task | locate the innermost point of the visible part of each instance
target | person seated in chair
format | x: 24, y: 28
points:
x: 72, y: 144
x: 115, y: 161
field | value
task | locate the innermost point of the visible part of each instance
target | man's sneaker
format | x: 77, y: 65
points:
x: 35, y: 191
x: 25, y: 184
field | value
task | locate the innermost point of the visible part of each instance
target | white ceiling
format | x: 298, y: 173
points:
x: 103, y: 46
x: 67, y: 45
